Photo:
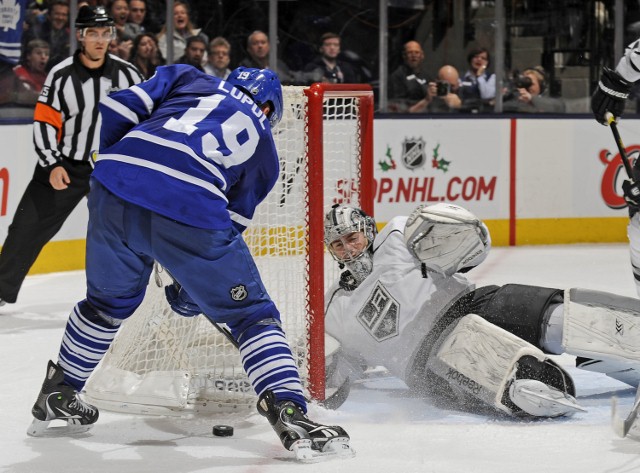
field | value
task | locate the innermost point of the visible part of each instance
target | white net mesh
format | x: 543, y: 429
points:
x: 162, y: 363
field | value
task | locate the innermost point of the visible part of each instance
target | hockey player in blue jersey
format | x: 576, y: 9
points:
x: 184, y: 160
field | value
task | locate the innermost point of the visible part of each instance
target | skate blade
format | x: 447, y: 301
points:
x: 335, y: 448
x: 41, y: 428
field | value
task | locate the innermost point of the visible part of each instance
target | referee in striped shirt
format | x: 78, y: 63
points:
x: 66, y: 129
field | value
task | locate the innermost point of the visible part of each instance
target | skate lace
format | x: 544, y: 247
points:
x: 81, y: 407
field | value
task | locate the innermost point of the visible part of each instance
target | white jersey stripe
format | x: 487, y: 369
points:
x: 146, y: 100
x: 120, y: 109
x: 165, y: 170
x: 182, y: 148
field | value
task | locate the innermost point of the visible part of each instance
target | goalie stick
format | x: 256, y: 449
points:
x: 611, y: 120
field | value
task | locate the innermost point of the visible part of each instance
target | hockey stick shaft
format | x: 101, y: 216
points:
x: 223, y: 330
x: 616, y: 135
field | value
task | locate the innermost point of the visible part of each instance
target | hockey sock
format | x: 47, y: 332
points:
x: 268, y: 361
x: 86, y: 339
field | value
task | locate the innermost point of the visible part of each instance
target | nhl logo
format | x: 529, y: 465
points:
x: 238, y: 293
x: 413, y: 153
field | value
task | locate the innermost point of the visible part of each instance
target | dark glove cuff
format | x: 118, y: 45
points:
x: 613, y: 84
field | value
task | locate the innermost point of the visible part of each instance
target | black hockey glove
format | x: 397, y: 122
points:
x: 631, y: 192
x: 180, y: 300
x: 610, y: 95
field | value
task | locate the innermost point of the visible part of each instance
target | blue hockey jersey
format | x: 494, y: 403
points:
x: 188, y: 146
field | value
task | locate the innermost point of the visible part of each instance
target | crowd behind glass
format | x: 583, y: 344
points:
x: 440, y: 54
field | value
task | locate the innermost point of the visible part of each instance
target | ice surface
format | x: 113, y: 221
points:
x: 390, y: 431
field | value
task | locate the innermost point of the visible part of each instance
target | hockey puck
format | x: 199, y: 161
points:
x: 222, y: 430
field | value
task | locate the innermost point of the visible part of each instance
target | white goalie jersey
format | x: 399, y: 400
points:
x: 385, y: 319
x: 633, y: 232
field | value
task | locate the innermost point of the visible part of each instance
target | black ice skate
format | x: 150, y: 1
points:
x: 59, y: 401
x: 307, y: 439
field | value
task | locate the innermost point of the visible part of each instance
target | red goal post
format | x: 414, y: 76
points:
x: 317, y: 95
x: 162, y: 363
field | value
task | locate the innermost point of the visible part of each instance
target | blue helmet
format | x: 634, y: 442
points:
x: 263, y: 86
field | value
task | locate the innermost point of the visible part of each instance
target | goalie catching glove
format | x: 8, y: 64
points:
x: 446, y: 238
x: 180, y: 300
x: 610, y: 95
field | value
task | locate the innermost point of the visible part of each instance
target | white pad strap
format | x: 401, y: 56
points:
x: 601, y: 325
x: 481, y: 359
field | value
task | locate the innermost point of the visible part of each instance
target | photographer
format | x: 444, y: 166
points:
x: 529, y: 94
x: 445, y: 91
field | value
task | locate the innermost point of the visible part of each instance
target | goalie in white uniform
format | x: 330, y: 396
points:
x: 403, y: 303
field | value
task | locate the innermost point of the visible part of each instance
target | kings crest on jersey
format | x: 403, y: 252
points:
x: 198, y: 150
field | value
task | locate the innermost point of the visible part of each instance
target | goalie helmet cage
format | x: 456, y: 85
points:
x: 162, y: 363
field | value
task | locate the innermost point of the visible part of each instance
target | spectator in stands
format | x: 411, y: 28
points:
x: 120, y: 47
x: 155, y: 15
x: 478, y: 87
x: 328, y: 66
x: 531, y: 94
x: 137, y: 13
x: 32, y: 71
x: 194, y: 52
x: 7, y: 82
x: 258, y: 48
x: 445, y: 91
x: 145, y: 54
x: 119, y: 10
x: 54, y: 29
x: 408, y: 84
x: 182, y: 29
x: 218, y: 58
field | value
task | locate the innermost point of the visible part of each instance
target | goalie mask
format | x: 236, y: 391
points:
x: 348, y: 235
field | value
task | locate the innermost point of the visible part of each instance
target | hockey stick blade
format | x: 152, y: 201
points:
x: 611, y: 120
x: 622, y: 426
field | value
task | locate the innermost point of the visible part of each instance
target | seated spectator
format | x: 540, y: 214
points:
x: 478, y: 87
x: 31, y: 72
x: 137, y: 14
x: 120, y: 47
x: 182, y: 29
x: 328, y: 66
x: 258, y: 48
x: 530, y: 94
x: 119, y: 11
x: 218, y: 58
x: 7, y: 82
x: 54, y: 29
x: 155, y: 15
x: 408, y: 84
x: 194, y: 52
x: 145, y: 54
x: 445, y: 91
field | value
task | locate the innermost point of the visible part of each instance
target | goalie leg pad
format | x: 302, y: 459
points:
x: 521, y: 309
x: 601, y: 325
x: 481, y: 361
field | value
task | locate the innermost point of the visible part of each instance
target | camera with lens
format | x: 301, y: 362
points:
x: 523, y: 82
x: 442, y: 88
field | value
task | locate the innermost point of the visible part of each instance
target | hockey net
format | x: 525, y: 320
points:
x: 162, y: 363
